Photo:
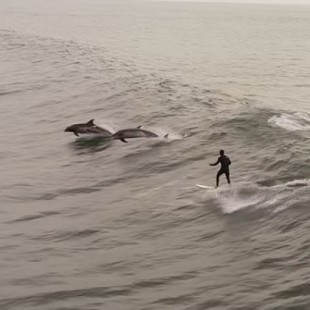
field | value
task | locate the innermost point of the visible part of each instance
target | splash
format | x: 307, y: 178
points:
x: 278, y: 197
x: 291, y: 122
x: 237, y: 197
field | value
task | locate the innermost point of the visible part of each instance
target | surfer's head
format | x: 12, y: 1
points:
x: 222, y: 152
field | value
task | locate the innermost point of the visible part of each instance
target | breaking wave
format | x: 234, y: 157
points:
x: 291, y: 122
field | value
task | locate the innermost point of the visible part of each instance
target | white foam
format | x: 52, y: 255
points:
x: 237, y: 197
x: 235, y: 204
x: 243, y: 195
x: 291, y: 122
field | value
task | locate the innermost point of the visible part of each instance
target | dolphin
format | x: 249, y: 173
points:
x: 88, y: 128
x: 134, y: 133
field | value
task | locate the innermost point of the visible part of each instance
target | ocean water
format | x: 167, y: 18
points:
x: 90, y: 224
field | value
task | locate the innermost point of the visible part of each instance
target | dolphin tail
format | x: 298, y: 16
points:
x: 123, y: 140
x: 166, y: 136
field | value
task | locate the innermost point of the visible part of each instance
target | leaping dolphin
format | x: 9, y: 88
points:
x: 134, y: 133
x: 88, y: 128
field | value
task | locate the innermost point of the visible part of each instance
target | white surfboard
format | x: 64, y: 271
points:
x: 204, y: 186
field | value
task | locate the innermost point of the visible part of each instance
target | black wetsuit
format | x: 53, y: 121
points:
x: 225, y: 162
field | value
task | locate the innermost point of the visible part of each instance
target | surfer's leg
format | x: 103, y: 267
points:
x: 218, y: 177
x: 227, y: 176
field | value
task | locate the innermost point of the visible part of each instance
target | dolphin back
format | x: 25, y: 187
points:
x: 95, y: 130
x: 134, y: 133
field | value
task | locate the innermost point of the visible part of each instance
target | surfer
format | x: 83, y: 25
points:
x: 225, y: 162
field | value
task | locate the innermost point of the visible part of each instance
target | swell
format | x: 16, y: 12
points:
x: 102, y: 292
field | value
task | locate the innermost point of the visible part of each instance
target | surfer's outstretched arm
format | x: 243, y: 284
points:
x: 215, y: 163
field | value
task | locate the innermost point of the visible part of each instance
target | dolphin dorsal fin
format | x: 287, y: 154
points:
x: 139, y: 126
x: 91, y: 122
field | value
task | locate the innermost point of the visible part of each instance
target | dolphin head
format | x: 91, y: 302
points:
x: 77, y: 127
x: 71, y: 128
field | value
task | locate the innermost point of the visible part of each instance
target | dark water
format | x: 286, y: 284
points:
x: 92, y: 224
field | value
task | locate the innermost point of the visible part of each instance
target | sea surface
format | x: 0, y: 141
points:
x: 92, y: 224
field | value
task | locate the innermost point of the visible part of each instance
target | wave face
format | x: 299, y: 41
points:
x: 92, y: 223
